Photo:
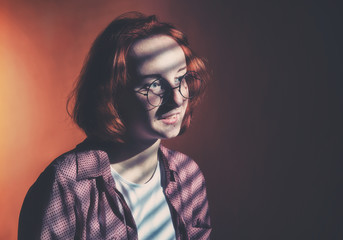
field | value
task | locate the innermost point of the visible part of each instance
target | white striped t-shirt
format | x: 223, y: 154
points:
x: 148, y: 205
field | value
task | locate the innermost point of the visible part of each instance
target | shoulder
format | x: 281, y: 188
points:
x: 65, y: 164
x: 74, y: 163
x: 68, y: 172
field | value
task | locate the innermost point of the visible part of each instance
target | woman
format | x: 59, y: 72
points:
x: 140, y: 84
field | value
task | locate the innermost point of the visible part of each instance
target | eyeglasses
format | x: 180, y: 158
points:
x: 159, y: 91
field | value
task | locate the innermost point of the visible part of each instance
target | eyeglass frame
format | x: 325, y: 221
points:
x: 170, y: 89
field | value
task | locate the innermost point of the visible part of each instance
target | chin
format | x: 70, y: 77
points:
x: 169, y: 132
x: 172, y: 134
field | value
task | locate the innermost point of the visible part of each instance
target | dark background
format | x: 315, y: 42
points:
x: 267, y: 136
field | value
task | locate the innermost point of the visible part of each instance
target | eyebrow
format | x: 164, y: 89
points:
x: 155, y: 75
x: 181, y: 69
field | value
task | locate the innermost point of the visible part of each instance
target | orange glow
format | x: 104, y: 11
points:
x: 32, y: 111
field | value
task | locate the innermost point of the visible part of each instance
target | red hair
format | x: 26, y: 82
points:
x: 104, y: 77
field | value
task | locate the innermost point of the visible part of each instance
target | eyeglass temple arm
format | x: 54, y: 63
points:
x: 138, y: 91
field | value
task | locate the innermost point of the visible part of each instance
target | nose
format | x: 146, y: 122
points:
x: 177, y: 98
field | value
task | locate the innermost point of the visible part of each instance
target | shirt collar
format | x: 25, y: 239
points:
x: 93, y: 161
x: 169, y: 166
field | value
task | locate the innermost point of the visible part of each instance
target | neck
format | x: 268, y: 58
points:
x: 135, y: 162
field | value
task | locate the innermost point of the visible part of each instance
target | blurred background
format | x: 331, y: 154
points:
x: 268, y: 134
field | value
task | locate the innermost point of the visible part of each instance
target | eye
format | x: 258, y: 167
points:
x: 155, y: 84
x: 156, y: 87
x: 178, y: 80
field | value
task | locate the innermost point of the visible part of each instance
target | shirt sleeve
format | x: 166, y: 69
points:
x: 48, y: 208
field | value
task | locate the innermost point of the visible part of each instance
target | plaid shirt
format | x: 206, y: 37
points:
x: 76, y: 198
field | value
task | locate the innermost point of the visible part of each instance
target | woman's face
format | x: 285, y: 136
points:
x: 157, y: 57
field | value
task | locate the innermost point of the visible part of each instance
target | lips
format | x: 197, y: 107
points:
x: 170, y: 118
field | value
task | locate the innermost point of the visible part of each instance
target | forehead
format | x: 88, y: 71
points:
x: 158, y: 54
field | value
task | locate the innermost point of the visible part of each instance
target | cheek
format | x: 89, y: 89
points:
x: 185, y: 105
x: 131, y: 108
x: 142, y: 111
x: 142, y: 103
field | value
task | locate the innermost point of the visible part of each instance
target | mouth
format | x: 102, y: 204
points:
x: 170, y: 118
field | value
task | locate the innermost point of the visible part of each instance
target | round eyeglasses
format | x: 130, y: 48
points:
x: 159, y: 91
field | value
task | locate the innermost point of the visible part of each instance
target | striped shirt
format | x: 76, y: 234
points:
x: 148, y: 205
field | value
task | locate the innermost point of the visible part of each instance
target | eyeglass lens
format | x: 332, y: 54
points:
x: 160, y: 90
